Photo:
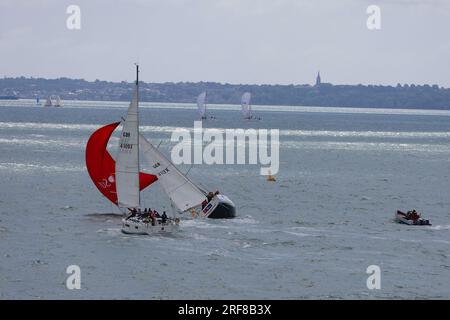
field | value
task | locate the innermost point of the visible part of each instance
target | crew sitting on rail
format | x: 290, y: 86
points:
x: 133, y: 212
x: 211, y: 195
x: 164, y: 217
x: 153, y: 217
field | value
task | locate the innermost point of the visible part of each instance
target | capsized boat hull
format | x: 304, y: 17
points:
x: 401, y: 218
x: 220, y: 207
x: 145, y: 227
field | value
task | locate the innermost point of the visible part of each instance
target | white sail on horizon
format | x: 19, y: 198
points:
x: 48, y: 102
x: 183, y: 193
x: 127, y: 162
x: 58, y: 101
x: 245, y: 104
x: 201, y: 103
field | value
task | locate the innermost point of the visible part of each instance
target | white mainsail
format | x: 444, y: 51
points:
x: 201, y: 104
x: 183, y: 193
x: 58, y: 101
x: 127, y: 162
x: 245, y: 104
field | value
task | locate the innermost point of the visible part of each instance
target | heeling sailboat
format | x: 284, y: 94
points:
x: 120, y: 181
x: 185, y: 195
x: 127, y: 175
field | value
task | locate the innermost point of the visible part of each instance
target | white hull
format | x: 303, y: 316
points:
x: 138, y: 226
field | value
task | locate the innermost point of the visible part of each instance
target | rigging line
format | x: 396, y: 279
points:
x: 187, y: 172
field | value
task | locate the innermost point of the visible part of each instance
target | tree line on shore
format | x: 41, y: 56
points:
x: 325, y: 94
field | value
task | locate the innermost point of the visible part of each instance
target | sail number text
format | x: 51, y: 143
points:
x: 123, y: 145
x: 128, y: 146
x: 166, y: 170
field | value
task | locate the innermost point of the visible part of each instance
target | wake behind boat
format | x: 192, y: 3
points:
x: 411, y: 218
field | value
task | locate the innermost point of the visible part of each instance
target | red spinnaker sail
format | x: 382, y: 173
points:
x: 101, y: 166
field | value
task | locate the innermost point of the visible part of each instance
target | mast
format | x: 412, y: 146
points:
x: 206, y: 99
x: 137, y: 121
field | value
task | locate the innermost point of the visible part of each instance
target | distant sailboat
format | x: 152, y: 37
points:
x: 58, y: 102
x: 53, y: 101
x: 246, y: 107
x: 201, y: 104
x: 48, y: 103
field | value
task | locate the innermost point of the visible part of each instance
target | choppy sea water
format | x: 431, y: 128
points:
x: 312, y: 234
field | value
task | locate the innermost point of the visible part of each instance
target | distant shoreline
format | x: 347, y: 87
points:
x: 102, y: 104
x: 321, y: 95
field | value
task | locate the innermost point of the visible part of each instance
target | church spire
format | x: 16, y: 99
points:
x: 318, y: 80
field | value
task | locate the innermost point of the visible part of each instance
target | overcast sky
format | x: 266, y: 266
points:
x: 233, y: 41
